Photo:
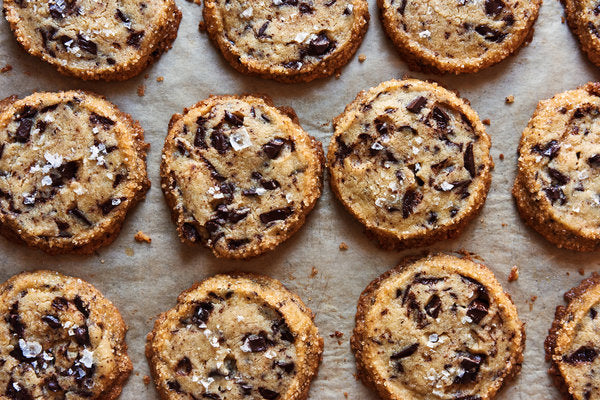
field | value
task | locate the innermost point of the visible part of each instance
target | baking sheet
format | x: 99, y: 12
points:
x: 143, y: 280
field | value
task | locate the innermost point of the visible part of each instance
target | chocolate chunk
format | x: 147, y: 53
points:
x: 433, y: 306
x: 493, y: 8
x: 278, y: 214
x: 470, y: 363
x: 219, y: 141
x: 234, y: 119
x: 320, y: 45
x: 267, y: 393
x: 82, y: 336
x: 469, y: 160
x: 582, y: 355
x: 135, y: 38
x: 262, y: 30
x: 594, y: 160
x: 550, y: 149
x: 554, y: 193
x: 52, y: 321
x: 417, y: 104
x: 477, y: 310
x: 24, y: 130
x: 183, y: 367
x: 99, y: 119
x: 558, y: 177
x: 490, y: 34
x: 202, y: 313
x: 190, y: 232
x: 405, y: 352
x: 273, y: 148
x: 288, y: 367
x: 87, y: 45
x: 410, y: 200
x: 60, y: 303
x: 233, y: 244
x: 440, y: 117
x: 14, y: 320
x: 81, y: 306
x: 257, y: 343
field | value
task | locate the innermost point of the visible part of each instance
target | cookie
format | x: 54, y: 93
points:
x: 71, y: 166
x: 439, y: 327
x: 238, y: 336
x: 61, y: 339
x: 239, y: 174
x: 557, y: 188
x: 571, y: 345
x: 410, y: 160
x: 95, y: 40
x: 287, y: 40
x: 457, y: 36
x: 583, y: 17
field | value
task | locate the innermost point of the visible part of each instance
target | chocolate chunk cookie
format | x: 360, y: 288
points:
x: 439, y: 327
x: 110, y: 40
x: 236, y: 336
x: 71, y: 166
x: 583, y: 17
x: 239, y: 174
x: 572, y: 342
x: 61, y: 339
x: 287, y: 40
x: 410, y: 160
x: 458, y: 36
x: 557, y: 188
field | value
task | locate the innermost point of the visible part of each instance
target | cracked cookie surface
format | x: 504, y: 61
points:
x: 238, y: 336
x: 239, y: 174
x: 71, y: 166
x: 410, y: 160
x: 583, y: 17
x: 110, y: 40
x: 557, y: 188
x: 287, y: 40
x: 439, y: 327
x: 572, y: 342
x: 458, y: 36
x: 60, y: 339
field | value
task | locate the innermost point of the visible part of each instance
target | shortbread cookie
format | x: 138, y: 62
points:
x: 110, y: 40
x: 458, y: 36
x: 239, y: 174
x: 237, y: 336
x: 557, y: 189
x: 287, y: 40
x: 440, y: 327
x: 61, y: 339
x: 572, y: 342
x: 410, y: 160
x: 71, y: 166
x: 583, y: 17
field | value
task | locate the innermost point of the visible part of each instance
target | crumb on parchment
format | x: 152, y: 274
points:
x: 142, y: 237
x: 514, y: 274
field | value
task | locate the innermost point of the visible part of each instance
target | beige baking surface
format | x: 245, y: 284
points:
x: 145, y: 279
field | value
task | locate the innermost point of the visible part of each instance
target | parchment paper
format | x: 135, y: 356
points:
x: 143, y: 280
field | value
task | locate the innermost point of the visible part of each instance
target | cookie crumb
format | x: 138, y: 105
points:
x: 501, y: 156
x: 142, y: 237
x: 487, y: 122
x: 160, y: 79
x: 6, y: 68
x: 361, y: 58
x: 581, y: 271
x: 202, y: 26
x: 510, y: 99
x: 141, y: 90
x: 514, y: 274
x: 146, y: 379
x: 313, y: 272
x: 343, y: 246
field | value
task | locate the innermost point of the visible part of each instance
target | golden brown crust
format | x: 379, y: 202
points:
x: 108, y: 233
x: 163, y: 39
x: 323, y: 69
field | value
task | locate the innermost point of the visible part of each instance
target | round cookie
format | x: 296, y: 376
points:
x: 61, y: 339
x: 439, y: 327
x: 239, y: 174
x: 410, y: 160
x: 572, y: 342
x: 583, y: 17
x: 238, y: 336
x: 557, y: 188
x: 71, y: 166
x: 457, y: 36
x: 287, y: 40
x: 109, y: 40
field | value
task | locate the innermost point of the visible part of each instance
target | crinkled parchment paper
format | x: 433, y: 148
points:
x: 144, y: 279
